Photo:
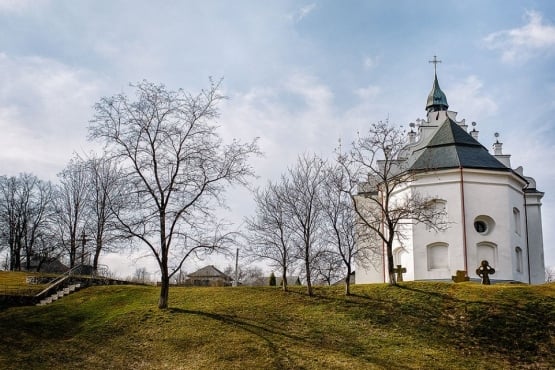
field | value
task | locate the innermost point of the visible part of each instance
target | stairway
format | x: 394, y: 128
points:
x: 59, y: 294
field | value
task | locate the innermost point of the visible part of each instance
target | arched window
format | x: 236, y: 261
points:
x: 400, y: 256
x: 438, y: 213
x: 516, y: 220
x: 438, y: 256
x: 487, y: 251
x: 519, y: 265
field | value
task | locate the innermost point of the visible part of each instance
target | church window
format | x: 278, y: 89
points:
x: 400, y: 256
x: 438, y: 213
x: 487, y: 251
x: 438, y: 256
x: 518, y: 252
x: 480, y: 226
x: 516, y: 218
x: 484, y: 224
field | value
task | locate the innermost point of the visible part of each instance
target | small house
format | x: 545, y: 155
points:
x: 208, y: 276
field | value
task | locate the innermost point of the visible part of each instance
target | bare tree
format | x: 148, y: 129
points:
x: 39, y: 210
x: 328, y: 267
x: 302, y: 189
x: 106, y: 200
x: 71, y: 207
x: 343, y: 233
x: 269, y: 236
x: 176, y: 166
x: 380, y: 202
x: 12, y: 233
x: 247, y: 275
x: 25, y: 210
x: 141, y: 276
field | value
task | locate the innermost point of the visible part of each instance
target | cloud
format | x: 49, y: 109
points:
x: 368, y: 92
x: 300, y: 113
x: 301, y: 13
x: 370, y: 62
x: 44, y: 111
x: 519, y: 44
x: 469, y: 95
x: 16, y: 6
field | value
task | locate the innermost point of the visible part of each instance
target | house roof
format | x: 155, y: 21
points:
x: 452, y: 147
x: 208, y: 271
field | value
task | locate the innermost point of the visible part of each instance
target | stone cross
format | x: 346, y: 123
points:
x: 484, y: 271
x: 399, y: 271
x: 460, y: 277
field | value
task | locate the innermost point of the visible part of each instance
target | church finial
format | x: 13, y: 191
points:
x: 437, y: 101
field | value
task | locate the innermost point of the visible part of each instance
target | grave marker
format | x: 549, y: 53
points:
x: 484, y: 271
x: 399, y: 270
x: 460, y: 277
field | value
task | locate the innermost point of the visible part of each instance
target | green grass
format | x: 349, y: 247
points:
x: 414, y: 326
x: 15, y: 283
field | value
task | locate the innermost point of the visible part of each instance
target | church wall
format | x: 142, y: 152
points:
x: 372, y: 270
x: 535, y: 239
x: 488, y: 194
x: 491, y: 197
x: 444, y: 185
x: 403, y: 251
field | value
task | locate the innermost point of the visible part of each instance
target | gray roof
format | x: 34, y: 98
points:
x: 452, y: 147
x: 208, y: 271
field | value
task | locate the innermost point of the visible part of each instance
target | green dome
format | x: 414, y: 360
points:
x: 436, y: 99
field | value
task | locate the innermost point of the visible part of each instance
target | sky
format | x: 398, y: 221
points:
x: 300, y: 75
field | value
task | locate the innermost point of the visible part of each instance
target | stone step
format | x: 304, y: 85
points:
x: 59, y: 294
x: 43, y: 302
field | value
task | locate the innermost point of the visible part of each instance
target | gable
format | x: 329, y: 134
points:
x: 208, y: 271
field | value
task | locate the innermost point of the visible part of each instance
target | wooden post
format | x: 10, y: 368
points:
x: 235, y: 282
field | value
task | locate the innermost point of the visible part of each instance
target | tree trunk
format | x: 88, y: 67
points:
x: 16, y: 259
x: 165, y: 287
x: 308, y: 282
x: 72, y: 250
x: 284, y: 279
x: 348, y: 281
x: 164, y: 292
x: 390, y: 266
x: 97, y: 253
x: 165, y: 284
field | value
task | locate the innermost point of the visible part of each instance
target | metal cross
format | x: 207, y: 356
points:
x: 435, y: 61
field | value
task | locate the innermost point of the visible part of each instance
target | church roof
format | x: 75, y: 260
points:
x: 437, y: 100
x: 452, y: 147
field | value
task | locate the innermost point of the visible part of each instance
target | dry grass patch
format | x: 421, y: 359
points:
x: 414, y: 326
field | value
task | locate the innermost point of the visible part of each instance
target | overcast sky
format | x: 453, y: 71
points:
x: 298, y: 74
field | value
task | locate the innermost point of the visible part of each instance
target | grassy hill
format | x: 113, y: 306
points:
x: 414, y: 326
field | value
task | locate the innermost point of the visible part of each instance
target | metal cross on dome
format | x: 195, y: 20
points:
x: 435, y: 61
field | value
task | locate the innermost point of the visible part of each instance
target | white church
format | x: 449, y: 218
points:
x: 493, y: 210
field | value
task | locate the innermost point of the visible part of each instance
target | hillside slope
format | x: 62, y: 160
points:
x: 414, y: 326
